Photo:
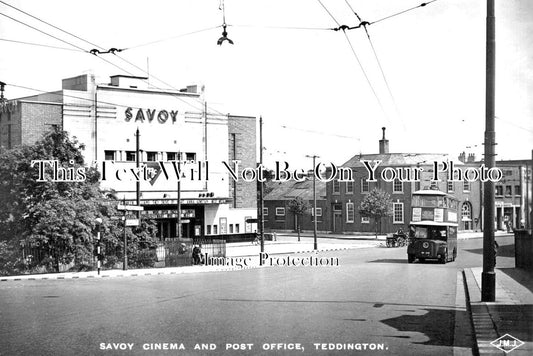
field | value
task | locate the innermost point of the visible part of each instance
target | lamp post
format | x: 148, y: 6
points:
x: 178, y: 226
x: 488, y: 276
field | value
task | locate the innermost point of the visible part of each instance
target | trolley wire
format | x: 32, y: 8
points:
x: 45, y: 33
x: 170, y: 38
x: 341, y: 27
x: 40, y: 45
x: 402, y: 12
x: 364, y: 24
x: 97, y: 52
x: 47, y: 23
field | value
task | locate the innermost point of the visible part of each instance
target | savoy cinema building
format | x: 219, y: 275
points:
x: 174, y: 125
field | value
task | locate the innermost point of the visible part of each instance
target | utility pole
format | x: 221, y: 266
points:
x: 314, y: 202
x: 261, y: 202
x: 488, y: 276
x: 178, y: 227
x: 137, y: 165
x: 125, y: 262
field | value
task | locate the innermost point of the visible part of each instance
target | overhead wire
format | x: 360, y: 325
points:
x: 319, y: 132
x: 170, y: 38
x: 61, y: 94
x: 357, y: 59
x: 402, y: 12
x: 329, y: 13
x: 283, y: 27
x: 47, y: 23
x: 102, y: 58
x: 41, y: 45
x: 45, y: 33
x: 364, y: 25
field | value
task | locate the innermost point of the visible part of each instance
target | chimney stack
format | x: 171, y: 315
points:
x: 383, y: 144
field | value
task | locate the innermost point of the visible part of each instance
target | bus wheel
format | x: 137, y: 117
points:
x: 422, y: 260
x: 410, y: 258
x: 444, y: 258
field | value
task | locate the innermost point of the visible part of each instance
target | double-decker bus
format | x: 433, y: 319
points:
x: 433, y: 227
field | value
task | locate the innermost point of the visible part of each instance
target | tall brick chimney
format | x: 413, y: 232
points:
x: 383, y: 144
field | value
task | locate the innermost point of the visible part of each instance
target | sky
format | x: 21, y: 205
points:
x: 320, y: 92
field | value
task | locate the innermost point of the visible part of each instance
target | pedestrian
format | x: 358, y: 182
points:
x: 196, y: 255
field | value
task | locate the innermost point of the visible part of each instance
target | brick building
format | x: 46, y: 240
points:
x: 277, y: 215
x: 344, y: 197
x: 174, y: 126
x: 513, y: 194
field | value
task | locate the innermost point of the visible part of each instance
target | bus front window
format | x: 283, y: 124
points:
x: 438, y: 234
x: 418, y: 232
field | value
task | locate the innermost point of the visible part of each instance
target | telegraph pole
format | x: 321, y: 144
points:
x: 314, y: 203
x: 261, y: 202
x: 488, y: 276
x: 178, y: 227
x: 137, y: 165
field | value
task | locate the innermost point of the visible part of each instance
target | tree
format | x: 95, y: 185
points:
x: 376, y: 205
x: 54, y: 219
x: 298, y: 207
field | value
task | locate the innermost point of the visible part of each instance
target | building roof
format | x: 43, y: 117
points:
x: 291, y: 189
x: 399, y: 159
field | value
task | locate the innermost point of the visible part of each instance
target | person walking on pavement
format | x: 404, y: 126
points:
x: 197, y: 255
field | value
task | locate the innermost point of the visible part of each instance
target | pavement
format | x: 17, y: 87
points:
x: 509, y: 318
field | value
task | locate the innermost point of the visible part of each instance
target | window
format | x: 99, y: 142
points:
x: 433, y: 185
x: 265, y: 211
x: 350, y: 212
x: 397, y: 210
x: 171, y: 156
x: 508, y: 190
x: 336, y: 187
x: 397, y: 186
x: 517, y: 190
x: 190, y: 156
x: 466, y: 186
x: 231, y: 228
x: 215, y: 229
x: 237, y: 228
x: 151, y: 156
x: 130, y: 156
x: 450, y: 187
x: 365, y: 186
x: 365, y: 220
x: 109, y: 155
x: 223, y: 225
x: 417, y: 186
x: 349, y: 187
x: 466, y: 211
x: 318, y: 211
x: 499, y: 190
x: 208, y: 230
x: 280, y: 211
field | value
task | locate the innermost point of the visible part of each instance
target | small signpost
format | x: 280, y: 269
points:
x: 128, y: 222
x: 132, y: 222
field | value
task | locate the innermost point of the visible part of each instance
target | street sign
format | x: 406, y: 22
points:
x: 130, y: 207
x: 252, y: 221
x: 132, y: 222
x: 185, y: 221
